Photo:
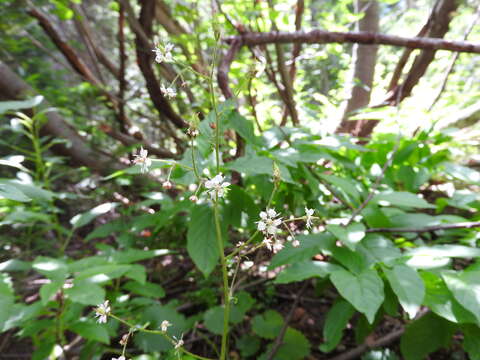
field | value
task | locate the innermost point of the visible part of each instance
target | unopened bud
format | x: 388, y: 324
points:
x: 167, y: 185
x: 213, y: 125
x: 193, y: 198
x: 276, y: 173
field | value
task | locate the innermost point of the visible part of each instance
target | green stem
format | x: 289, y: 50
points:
x: 223, y: 261
x: 157, y: 332
x: 194, y: 164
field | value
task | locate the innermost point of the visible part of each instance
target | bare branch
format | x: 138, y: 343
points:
x: 463, y: 225
x: 325, y: 37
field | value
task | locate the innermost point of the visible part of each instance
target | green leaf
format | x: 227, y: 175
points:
x: 305, y: 270
x: 471, y: 341
x: 347, y: 186
x: 11, y: 192
x: 20, y: 105
x: 32, y: 191
x: 154, y: 315
x: 465, y: 287
x: 408, y: 286
x: 463, y: 173
x: 148, y: 289
x: 102, y: 273
x: 424, y: 336
x: 86, y: 293
x: 377, y: 248
x: 202, y: 239
x: 364, y: 291
x: 248, y: 345
x: 441, y: 301
x: 47, y: 291
x: 295, y: 346
x: 268, y: 324
x: 310, y: 245
x: 336, y: 321
x: 241, y: 125
x: 349, y: 235
x: 6, y: 299
x: 213, y: 318
x: 15, y: 265
x: 80, y: 220
x: 90, y: 331
x: 54, y: 269
x: 402, y: 199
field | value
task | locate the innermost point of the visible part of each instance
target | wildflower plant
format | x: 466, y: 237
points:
x: 213, y: 191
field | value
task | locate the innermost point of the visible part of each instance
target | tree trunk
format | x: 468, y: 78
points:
x: 365, y: 58
x: 13, y: 87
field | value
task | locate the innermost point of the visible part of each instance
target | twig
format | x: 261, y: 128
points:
x: 224, y: 67
x: 463, y: 225
x: 476, y: 16
x: 360, y: 37
x: 359, y: 350
x: 278, y: 341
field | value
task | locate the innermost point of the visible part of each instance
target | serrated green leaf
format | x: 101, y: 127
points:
x: 268, y: 324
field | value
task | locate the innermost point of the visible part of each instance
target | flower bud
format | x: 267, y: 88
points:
x: 167, y: 185
x: 193, y: 198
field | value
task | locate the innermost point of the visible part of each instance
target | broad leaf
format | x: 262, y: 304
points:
x: 402, y: 199
x: 305, y: 270
x: 336, y: 321
x: 202, y: 239
x: 349, y: 235
x: 408, y: 286
x: 364, y: 291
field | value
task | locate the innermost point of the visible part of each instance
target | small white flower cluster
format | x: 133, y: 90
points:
x: 102, y: 311
x: 142, y: 158
x: 164, y: 55
x: 268, y: 225
x: 164, y: 325
x: 309, y: 214
x: 217, y: 186
x: 178, y: 342
x: 168, y: 92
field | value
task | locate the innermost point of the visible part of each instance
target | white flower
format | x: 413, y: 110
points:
x: 102, y: 311
x: 268, y: 243
x: 165, y: 55
x: 295, y: 243
x: 268, y: 224
x: 120, y: 358
x: 217, y: 186
x: 167, y: 185
x: 142, y: 158
x: 277, y: 246
x: 179, y: 342
x: 309, y: 213
x: 168, y: 91
x: 164, y: 325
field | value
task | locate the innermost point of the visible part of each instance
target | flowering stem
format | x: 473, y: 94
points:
x: 226, y: 313
x: 158, y: 332
x: 194, y: 164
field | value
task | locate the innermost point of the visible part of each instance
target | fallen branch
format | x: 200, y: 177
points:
x: 463, y: 225
x: 382, y: 342
x: 367, y: 38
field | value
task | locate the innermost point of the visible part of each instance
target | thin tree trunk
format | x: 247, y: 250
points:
x: 12, y: 87
x: 365, y: 58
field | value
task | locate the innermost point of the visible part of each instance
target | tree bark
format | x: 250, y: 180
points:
x: 365, y: 59
x: 442, y: 15
x: 12, y: 87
